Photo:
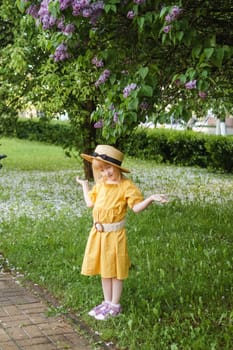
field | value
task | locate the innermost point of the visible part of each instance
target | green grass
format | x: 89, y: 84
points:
x: 29, y: 155
x: 179, y: 294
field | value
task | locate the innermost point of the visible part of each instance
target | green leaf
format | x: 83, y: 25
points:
x: 54, y: 8
x: 133, y: 104
x: 208, y: 52
x: 180, y: 35
x: 196, y: 51
x: 110, y: 7
x: 21, y: 5
x: 146, y: 90
x: 163, y: 11
x: 143, y: 71
x: 141, y: 21
x: 218, y: 57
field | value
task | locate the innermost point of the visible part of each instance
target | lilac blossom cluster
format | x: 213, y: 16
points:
x: 98, y: 63
x: 115, y: 114
x: 103, y: 77
x: 87, y: 9
x: 202, y: 94
x: 192, y: 84
x: 170, y: 17
x: 47, y: 20
x: 127, y: 90
x: 61, y: 53
x: 131, y: 14
x: 139, y: 2
x: 82, y: 8
x: 99, y: 124
x: 65, y: 28
x: 144, y: 106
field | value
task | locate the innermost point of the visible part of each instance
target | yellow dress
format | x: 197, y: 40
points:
x: 106, y: 252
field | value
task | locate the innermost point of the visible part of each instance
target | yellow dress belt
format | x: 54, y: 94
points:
x: 109, y: 227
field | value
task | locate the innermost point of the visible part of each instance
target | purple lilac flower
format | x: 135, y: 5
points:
x: 61, y: 53
x: 64, y: 4
x: 87, y: 9
x: 79, y: 5
x: 127, y: 90
x: 130, y: 14
x: 116, y: 117
x: 168, y: 18
x: 97, y: 63
x: 177, y: 82
x: 97, y: 9
x: 138, y: 2
x: 33, y: 11
x: 87, y: 12
x: 191, y: 84
x: 167, y: 29
x: 202, y: 94
x: 46, y: 18
x: 176, y: 10
x: 144, y: 106
x: 173, y: 14
x: 68, y: 29
x: 103, y: 77
x: 99, y: 124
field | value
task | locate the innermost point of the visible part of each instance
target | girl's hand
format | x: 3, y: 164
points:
x: 161, y: 198
x: 81, y: 182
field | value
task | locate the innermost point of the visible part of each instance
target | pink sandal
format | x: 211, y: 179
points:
x: 98, y: 309
x: 108, y: 311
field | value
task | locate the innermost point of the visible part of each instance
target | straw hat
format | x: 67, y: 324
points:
x: 107, y: 154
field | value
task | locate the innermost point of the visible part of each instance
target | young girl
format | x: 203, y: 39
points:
x: 106, y: 251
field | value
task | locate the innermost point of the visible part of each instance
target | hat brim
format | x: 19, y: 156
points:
x: 90, y: 159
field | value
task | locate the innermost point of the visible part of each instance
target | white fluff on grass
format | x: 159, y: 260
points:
x: 38, y: 194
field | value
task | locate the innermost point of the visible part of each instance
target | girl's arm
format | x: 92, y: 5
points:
x: 85, y: 187
x: 161, y: 198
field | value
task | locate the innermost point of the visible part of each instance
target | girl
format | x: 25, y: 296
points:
x: 106, y: 251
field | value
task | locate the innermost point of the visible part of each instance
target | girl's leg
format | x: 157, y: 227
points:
x: 107, y: 289
x: 112, y: 289
x: 117, y: 287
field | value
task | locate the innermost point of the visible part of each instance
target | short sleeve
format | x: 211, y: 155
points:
x: 93, y: 193
x: 132, y: 194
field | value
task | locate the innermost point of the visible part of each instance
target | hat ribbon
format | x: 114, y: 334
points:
x: 107, y: 158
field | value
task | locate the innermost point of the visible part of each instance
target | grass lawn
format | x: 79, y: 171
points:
x: 179, y: 294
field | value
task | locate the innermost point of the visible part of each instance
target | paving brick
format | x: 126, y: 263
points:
x: 3, y: 336
x: 32, y: 331
x: 11, y: 310
x: 25, y: 325
x: 16, y: 333
x: 9, y: 346
x: 34, y: 341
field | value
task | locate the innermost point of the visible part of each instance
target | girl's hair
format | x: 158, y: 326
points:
x: 96, y: 168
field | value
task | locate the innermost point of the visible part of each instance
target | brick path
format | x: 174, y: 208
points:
x: 25, y: 324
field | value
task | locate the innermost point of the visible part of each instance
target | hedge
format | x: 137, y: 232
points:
x: 186, y: 148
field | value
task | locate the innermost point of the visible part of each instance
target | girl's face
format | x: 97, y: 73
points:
x: 108, y: 172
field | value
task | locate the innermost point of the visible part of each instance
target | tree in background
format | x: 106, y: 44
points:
x: 141, y: 58
x: 110, y: 64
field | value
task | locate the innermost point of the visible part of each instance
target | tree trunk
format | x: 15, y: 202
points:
x: 89, y: 140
